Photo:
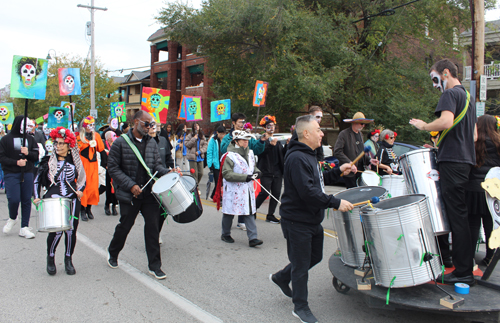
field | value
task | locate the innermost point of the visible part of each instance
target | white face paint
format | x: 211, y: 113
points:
x: 46, y: 130
x: 30, y: 126
x: 437, y: 82
x: 114, y: 123
x: 317, y: 116
x: 90, y: 127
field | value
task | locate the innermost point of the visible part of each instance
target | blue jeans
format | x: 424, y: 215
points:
x: 2, y: 182
x: 19, y: 192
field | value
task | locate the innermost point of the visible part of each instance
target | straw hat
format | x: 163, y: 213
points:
x: 358, y: 117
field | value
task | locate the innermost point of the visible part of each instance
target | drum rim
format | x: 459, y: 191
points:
x: 416, y: 151
x: 165, y: 176
x: 361, y: 188
x: 369, y: 211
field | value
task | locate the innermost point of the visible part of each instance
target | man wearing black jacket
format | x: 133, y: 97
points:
x: 17, y: 161
x: 302, y: 210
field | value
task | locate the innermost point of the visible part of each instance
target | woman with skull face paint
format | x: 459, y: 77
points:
x: 89, y: 143
x: 197, y: 147
x: 62, y: 174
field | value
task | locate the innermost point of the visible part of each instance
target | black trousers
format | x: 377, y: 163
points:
x: 475, y: 227
x: 273, y: 185
x: 305, y: 249
x: 150, y: 210
x: 453, y: 179
x: 216, y: 180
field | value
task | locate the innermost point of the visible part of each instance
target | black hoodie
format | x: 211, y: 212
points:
x: 303, y: 199
x: 10, y: 149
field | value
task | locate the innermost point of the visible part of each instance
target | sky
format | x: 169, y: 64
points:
x: 33, y: 27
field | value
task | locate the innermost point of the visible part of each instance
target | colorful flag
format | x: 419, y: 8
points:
x: 118, y: 111
x: 6, y: 113
x: 155, y: 102
x: 28, y: 78
x: 69, y: 81
x: 220, y: 110
x: 259, y: 94
x: 58, y: 117
x: 193, y: 109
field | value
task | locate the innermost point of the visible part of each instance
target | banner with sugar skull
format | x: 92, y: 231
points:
x: 65, y: 104
x: 58, y: 117
x: 6, y: 113
x: 28, y: 78
x: 155, y: 102
x: 181, y: 114
x: 118, y: 111
x: 69, y: 81
x: 220, y: 110
x: 191, y: 109
x: 259, y: 94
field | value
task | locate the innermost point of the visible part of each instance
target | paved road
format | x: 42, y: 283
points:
x: 207, y: 280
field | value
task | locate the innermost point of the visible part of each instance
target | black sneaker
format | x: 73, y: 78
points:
x: 305, y: 315
x: 272, y: 219
x: 451, y: 279
x: 255, y: 242
x: 158, y: 273
x: 112, y: 261
x: 227, y: 239
x: 285, y: 288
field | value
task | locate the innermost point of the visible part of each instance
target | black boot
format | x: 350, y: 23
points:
x: 70, y: 270
x: 106, y: 210
x: 89, y: 212
x: 113, y: 209
x: 51, y: 266
x: 83, y: 214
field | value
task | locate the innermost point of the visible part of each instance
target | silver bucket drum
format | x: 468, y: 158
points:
x: 395, y: 185
x: 54, y: 214
x: 172, y: 193
x: 369, y: 178
x: 348, y: 224
x: 398, y: 232
x: 420, y: 170
x: 194, y: 210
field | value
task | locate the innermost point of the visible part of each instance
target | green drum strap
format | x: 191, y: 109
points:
x: 456, y: 121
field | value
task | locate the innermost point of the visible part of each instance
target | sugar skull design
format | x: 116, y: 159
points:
x: 192, y: 107
x: 59, y: 115
x: 69, y: 83
x: 49, y: 146
x: 221, y: 109
x: 28, y: 69
x: 119, y: 111
x: 4, y: 113
x: 155, y: 101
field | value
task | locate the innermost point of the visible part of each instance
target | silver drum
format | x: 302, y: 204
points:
x: 420, y: 170
x: 398, y: 231
x: 395, y: 185
x: 348, y: 224
x: 54, y: 215
x: 172, y: 193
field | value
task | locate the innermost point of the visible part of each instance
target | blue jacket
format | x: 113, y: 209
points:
x: 213, y: 154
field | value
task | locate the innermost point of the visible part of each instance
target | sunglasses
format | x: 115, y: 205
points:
x: 148, y: 124
x: 391, y: 137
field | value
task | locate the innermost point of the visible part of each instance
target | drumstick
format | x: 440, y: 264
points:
x: 367, y: 149
x: 267, y: 191
x: 377, y: 161
x: 373, y: 200
x: 72, y: 188
x: 149, y: 180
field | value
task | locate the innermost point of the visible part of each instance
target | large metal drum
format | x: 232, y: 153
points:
x: 54, y: 215
x: 398, y: 232
x: 395, y: 185
x: 420, y: 170
x: 348, y: 224
x: 172, y: 193
x: 369, y: 178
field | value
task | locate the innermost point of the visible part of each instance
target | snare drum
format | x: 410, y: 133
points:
x: 348, y: 224
x: 194, y: 210
x: 54, y: 214
x: 369, y: 178
x: 172, y: 193
x: 395, y: 185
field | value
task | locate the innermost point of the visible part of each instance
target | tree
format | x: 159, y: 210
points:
x: 313, y: 52
x: 105, y: 91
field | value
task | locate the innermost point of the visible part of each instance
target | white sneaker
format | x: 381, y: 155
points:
x: 160, y: 240
x: 242, y: 226
x: 10, y: 224
x: 26, y: 232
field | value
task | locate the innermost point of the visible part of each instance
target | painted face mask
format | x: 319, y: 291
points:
x: 89, y: 123
x: 437, y: 82
x: 318, y: 115
x: 30, y: 126
x: 46, y: 130
x: 49, y: 146
x: 114, y: 123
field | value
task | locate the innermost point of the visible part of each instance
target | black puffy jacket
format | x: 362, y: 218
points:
x: 124, y: 167
x: 10, y: 149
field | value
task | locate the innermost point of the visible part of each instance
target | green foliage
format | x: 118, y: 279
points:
x: 104, y: 86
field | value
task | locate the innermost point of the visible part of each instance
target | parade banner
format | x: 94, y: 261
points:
x: 28, y: 78
x: 69, y: 81
x: 155, y: 102
x: 220, y: 110
x: 260, y: 93
x: 118, y: 111
x: 58, y: 117
x: 182, y: 110
x: 65, y: 104
x: 192, y: 108
x: 6, y: 113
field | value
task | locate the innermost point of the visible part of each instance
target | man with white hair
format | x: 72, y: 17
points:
x: 302, y: 210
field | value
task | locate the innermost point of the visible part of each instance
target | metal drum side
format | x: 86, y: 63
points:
x: 172, y: 193
x: 54, y: 215
x: 395, y: 185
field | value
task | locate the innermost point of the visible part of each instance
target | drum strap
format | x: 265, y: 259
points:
x: 456, y: 121
x: 138, y: 155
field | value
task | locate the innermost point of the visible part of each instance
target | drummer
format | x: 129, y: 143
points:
x: 388, y: 159
x: 58, y: 173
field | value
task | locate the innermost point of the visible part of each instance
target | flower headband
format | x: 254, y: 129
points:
x: 374, y: 132
x: 267, y: 119
x: 66, y: 134
x: 88, y: 120
x: 387, y: 135
x: 248, y: 126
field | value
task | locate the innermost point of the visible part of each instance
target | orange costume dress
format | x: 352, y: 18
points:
x: 88, y: 155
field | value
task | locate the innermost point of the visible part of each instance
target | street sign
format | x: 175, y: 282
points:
x: 480, y: 107
x: 93, y: 113
x: 483, y: 88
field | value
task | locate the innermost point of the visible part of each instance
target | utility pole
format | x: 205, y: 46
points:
x: 478, y: 55
x: 92, y: 55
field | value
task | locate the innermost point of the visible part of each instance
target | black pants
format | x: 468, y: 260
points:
x: 216, y: 180
x: 110, y: 196
x: 273, y: 185
x: 128, y: 213
x: 453, y: 179
x: 475, y: 227
x: 305, y: 249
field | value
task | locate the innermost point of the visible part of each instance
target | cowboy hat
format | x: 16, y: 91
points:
x: 358, y: 117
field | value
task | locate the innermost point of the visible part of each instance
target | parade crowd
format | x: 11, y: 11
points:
x: 80, y: 164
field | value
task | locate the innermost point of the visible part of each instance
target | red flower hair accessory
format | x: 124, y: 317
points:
x: 395, y: 134
x: 374, y: 132
x: 267, y: 119
x: 66, y: 134
x: 248, y: 126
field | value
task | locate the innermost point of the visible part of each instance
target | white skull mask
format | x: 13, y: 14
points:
x: 29, y: 126
x: 437, y: 81
x: 90, y: 127
x: 28, y: 74
x: 59, y: 115
x: 49, y: 146
x: 114, y: 124
x: 46, y: 130
x: 69, y: 82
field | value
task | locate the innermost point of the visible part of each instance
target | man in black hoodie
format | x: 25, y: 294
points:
x: 17, y: 161
x: 302, y: 210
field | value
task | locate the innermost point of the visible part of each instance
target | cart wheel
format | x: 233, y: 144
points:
x: 339, y: 286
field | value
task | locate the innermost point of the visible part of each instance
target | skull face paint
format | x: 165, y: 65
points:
x: 46, y: 130
x: 69, y: 83
x: 114, y: 124
x: 192, y: 107
x: 155, y: 101
x: 318, y: 115
x: 30, y: 126
x: 49, y: 146
x: 28, y: 74
x: 437, y: 82
x: 4, y: 113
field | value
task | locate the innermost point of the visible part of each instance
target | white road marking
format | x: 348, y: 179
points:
x: 176, y: 299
